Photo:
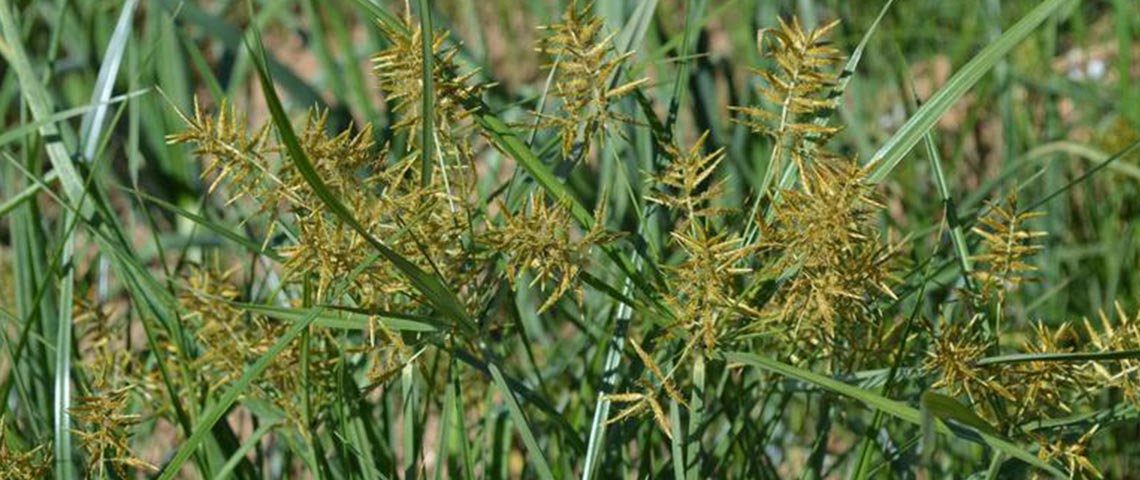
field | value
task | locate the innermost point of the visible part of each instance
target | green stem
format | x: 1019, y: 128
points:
x: 696, y: 419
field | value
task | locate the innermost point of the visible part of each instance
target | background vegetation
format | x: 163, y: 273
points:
x: 609, y: 288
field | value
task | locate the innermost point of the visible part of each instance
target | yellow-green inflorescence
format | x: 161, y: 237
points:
x: 808, y: 275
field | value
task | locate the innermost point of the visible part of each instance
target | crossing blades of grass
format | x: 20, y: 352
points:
x: 538, y: 460
x: 900, y: 144
x: 38, y: 102
x: 222, y: 405
x: 215, y: 227
x: 890, y: 407
x: 1084, y: 176
x: 23, y: 130
x: 26, y: 194
x: 950, y: 212
x: 40, y: 105
x: 634, y: 30
x: 246, y: 446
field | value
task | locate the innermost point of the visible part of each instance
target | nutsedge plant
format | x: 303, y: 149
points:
x: 588, y: 278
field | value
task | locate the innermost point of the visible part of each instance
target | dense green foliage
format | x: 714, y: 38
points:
x: 654, y: 239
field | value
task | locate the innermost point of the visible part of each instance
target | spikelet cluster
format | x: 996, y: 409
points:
x: 706, y: 288
x: 234, y: 154
x: 1073, y: 454
x: 819, y: 240
x: 797, y: 92
x: 826, y: 247
x: 648, y: 399
x: 103, y: 417
x: 103, y: 430
x: 684, y: 186
x: 954, y: 355
x: 1009, y: 393
x: 230, y: 339
x: 1013, y: 395
x: 821, y: 248
x: 103, y: 352
x: 584, y: 60
x: 432, y: 225
x: 1007, y: 244
x: 704, y: 292
x: 1121, y: 334
x: 426, y: 220
x: 31, y: 464
x: 328, y: 249
x: 399, y: 70
x: 540, y: 240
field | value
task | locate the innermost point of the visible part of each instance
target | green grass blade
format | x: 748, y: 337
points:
x: 427, y: 110
x: 693, y: 443
x: 456, y: 386
x: 383, y: 15
x: 26, y: 128
x: 950, y: 212
x: 538, y: 460
x: 897, y: 147
x: 231, y: 38
x: 92, y: 126
x: 355, y: 78
x: 336, y: 318
x: 1103, y: 417
x: 26, y: 194
x: 226, y: 233
x: 246, y: 446
x: 1085, y: 176
x: 63, y: 354
x: 634, y: 30
x: 1087, y: 152
x: 610, y: 380
x: 329, y: 68
x: 857, y: 54
x: 676, y: 440
x: 1069, y: 357
x: 410, y: 399
x: 446, y: 416
x: 947, y: 408
x: 38, y: 102
x: 893, y: 408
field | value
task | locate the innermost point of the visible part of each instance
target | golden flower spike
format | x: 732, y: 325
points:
x: 584, y: 59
